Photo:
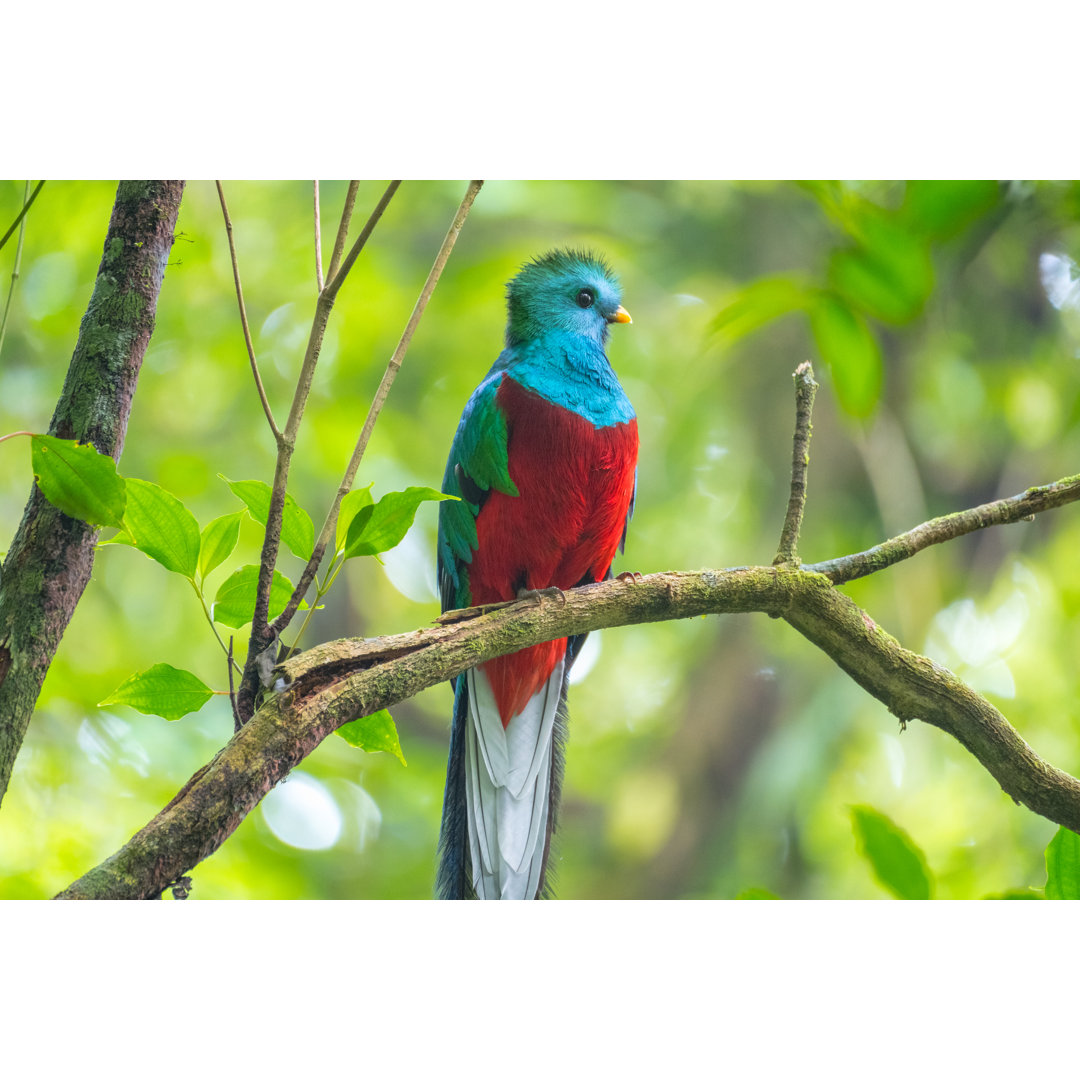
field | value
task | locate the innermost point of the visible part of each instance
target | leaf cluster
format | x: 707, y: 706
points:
x: 85, y: 484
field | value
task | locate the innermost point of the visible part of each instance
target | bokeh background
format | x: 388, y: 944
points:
x: 707, y: 758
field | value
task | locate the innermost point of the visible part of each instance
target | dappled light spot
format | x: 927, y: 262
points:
x: 974, y: 644
x: 363, y: 816
x: 586, y: 659
x: 302, y: 813
x: 1060, y: 278
x: 108, y: 740
x: 410, y: 567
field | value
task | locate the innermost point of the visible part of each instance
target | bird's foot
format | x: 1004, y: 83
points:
x: 552, y: 592
x: 629, y: 575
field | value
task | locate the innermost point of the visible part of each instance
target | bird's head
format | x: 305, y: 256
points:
x: 570, y: 291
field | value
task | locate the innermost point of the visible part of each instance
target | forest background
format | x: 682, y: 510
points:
x: 708, y: 758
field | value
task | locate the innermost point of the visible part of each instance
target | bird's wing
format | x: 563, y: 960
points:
x: 478, y: 464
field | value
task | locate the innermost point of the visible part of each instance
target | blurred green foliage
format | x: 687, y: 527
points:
x: 1063, y: 866
x: 708, y: 758
x: 898, y: 863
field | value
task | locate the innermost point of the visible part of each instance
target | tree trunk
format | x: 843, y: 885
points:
x: 51, y: 556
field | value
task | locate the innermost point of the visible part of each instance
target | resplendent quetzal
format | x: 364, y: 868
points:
x: 545, y: 463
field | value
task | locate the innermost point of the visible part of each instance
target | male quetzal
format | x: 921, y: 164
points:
x: 544, y: 462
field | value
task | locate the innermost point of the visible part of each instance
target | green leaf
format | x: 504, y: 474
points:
x: 756, y: 894
x: 940, y: 209
x: 161, y: 526
x: 897, y: 862
x: 162, y: 691
x: 1015, y: 894
x: 850, y: 349
x: 78, y: 480
x: 756, y: 304
x: 889, y: 275
x: 384, y: 525
x: 373, y: 733
x: 1063, y: 866
x: 218, y: 541
x: 234, y: 604
x: 351, y: 505
x: 297, y: 531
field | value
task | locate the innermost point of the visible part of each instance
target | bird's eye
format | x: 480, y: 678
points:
x: 585, y: 298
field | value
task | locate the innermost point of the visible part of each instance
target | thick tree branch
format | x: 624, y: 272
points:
x: 51, y: 556
x: 339, y: 681
x: 913, y: 687
x: 1001, y: 512
x: 336, y: 682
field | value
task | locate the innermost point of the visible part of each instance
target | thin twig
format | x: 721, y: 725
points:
x: 261, y: 632
x: 389, y: 375
x: 318, y: 241
x: 334, y: 283
x: 18, y: 263
x: 1002, y: 512
x: 22, y: 213
x: 243, y: 316
x: 343, y: 230
x: 805, y: 389
x: 210, y: 621
x: 232, y: 689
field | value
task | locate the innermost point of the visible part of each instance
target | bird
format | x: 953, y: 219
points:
x: 544, y: 469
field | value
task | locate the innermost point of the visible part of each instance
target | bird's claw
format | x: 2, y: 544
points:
x: 552, y: 592
x: 629, y: 575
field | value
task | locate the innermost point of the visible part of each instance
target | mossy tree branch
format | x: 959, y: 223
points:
x: 805, y: 389
x: 1000, y: 512
x: 51, y: 556
x: 320, y: 690
x: 333, y: 683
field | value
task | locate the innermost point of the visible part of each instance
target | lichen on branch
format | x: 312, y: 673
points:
x: 334, y: 683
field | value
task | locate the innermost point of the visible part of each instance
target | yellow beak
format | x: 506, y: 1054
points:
x: 621, y: 315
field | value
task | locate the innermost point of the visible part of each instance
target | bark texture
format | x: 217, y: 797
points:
x: 334, y: 683
x: 51, y: 556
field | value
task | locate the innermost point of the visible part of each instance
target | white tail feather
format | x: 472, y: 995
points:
x: 508, y: 787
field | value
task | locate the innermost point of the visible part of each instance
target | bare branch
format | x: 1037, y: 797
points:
x: 805, y: 389
x: 21, y: 214
x: 18, y: 264
x: 389, y: 375
x: 318, y: 241
x: 261, y: 634
x: 243, y: 315
x: 343, y: 230
x: 1002, y: 512
x: 334, y: 284
x: 232, y: 687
